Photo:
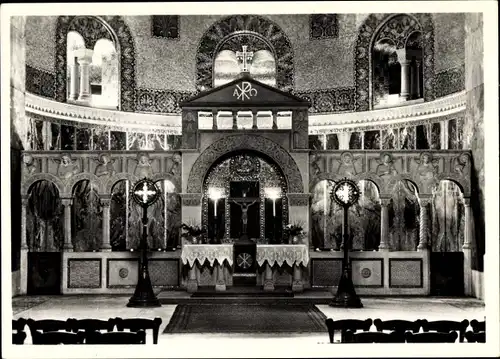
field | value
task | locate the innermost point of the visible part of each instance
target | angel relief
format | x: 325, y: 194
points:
x: 29, y: 163
x: 346, y: 166
x: 426, y: 169
x: 462, y: 165
x: 175, y: 168
x: 143, y: 169
x: 386, y: 166
x: 105, y: 168
x: 68, y: 167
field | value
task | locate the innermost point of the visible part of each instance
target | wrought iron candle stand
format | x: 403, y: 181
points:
x: 346, y: 193
x: 145, y: 193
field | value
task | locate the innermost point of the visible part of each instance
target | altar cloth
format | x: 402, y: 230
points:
x: 203, y: 252
x: 283, y: 253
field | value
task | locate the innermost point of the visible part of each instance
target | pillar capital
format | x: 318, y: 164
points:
x: 424, y: 200
x: 298, y: 199
x: 385, y: 202
x: 67, y: 201
x: 402, y: 56
x: 84, y: 56
x: 106, y: 201
x: 467, y: 201
x: 191, y: 199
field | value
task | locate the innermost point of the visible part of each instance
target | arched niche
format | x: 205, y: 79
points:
x: 255, y: 143
x: 367, y: 32
x: 44, y: 217
x: 93, y: 28
x: 251, y: 26
x: 86, y: 216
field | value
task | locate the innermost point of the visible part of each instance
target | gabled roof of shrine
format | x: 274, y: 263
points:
x: 245, y: 92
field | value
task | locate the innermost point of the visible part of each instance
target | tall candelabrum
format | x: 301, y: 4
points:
x: 346, y: 193
x: 145, y: 193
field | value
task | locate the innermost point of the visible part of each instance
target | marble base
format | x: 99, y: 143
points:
x: 192, y: 285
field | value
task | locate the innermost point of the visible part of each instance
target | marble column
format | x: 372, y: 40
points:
x: 268, y: 278
x: 297, y: 285
x: 467, y: 247
x: 254, y: 120
x: 424, y: 224
x: 384, y: 225
x: 344, y: 138
x: 106, y: 218
x: 68, y: 245
x: 405, y: 74
x: 220, y: 284
x: 444, y: 125
x: 275, y: 120
x: 23, y: 264
x: 417, y: 79
x: 74, y: 81
x: 214, y: 119
x: 235, y: 120
x: 84, y: 57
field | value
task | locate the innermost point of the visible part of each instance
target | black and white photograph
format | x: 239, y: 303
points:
x: 250, y: 179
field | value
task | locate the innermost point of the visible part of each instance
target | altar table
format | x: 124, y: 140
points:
x: 294, y: 255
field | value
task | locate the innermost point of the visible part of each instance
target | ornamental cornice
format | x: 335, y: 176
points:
x: 95, y: 116
x: 389, y: 117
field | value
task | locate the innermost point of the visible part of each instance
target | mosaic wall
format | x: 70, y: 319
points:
x: 330, y: 84
x: 450, y: 81
x: 165, y: 26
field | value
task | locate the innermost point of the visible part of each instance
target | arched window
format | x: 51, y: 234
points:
x: 245, y: 52
x: 92, y: 65
x: 397, y: 71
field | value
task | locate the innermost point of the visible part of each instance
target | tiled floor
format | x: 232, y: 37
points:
x: 106, y: 306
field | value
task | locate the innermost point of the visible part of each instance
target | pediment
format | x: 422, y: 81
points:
x: 243, y: 92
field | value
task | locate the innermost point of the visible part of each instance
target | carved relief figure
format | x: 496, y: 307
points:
x: 105, y: 167
x: 386, y: 167
x: 29, y: 163
x: 188, y: 131
x: 462, y: 165
x: 427, y: 168
x: 175, y: 169
x: 346, y: 166
x: 67, y: 167
x: 143, y: 168
x: 300, y: 134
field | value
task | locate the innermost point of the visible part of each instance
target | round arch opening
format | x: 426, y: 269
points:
x: 244, y: 195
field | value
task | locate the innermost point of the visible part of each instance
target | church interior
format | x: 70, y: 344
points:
x: 224, y: 162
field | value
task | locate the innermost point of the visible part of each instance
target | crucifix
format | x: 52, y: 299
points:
x: 244, y: 203
x: 244, y: 56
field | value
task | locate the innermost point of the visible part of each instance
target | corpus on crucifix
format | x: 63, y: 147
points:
x: 244, y: 214
x: 244, y: 56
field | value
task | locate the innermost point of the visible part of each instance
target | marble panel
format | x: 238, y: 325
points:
x: 355, y: 141
x: 207, y: 276
x: 83, y: 139
x: 118, y: 140
x: 405, y: 273
x: 421, y: 140
x: 68, y: 139
x: 435, y: 136
x: 389, y: 138
x: 84, y: 273
x: 332, y: 141
x: 367, y: 272
x: 137, y: 141
x: 164, y: 272
x: 122, y: 272
x: 452, y: 134
x: 56, y: 136
x: 407, y: 138
x: 100, y: 139
x: 326, y: 272
x: 372, y: 140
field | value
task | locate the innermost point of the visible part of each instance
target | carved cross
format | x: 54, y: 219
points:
x: 145, y: 193
x: 244, y: 56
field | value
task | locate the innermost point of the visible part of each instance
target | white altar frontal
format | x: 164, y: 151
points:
x: 272, y: 261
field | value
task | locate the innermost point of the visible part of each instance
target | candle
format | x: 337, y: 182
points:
x: 274, y: 207
x: 215, y: 207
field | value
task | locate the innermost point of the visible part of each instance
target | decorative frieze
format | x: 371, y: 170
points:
x: 191, y: 199
x: 40, y: 82
x: 165, y: 26
x: 164, y: 101
x: 298, y: 199
x: 323, y: 26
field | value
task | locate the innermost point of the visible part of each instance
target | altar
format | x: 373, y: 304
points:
x: 269, y: 260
